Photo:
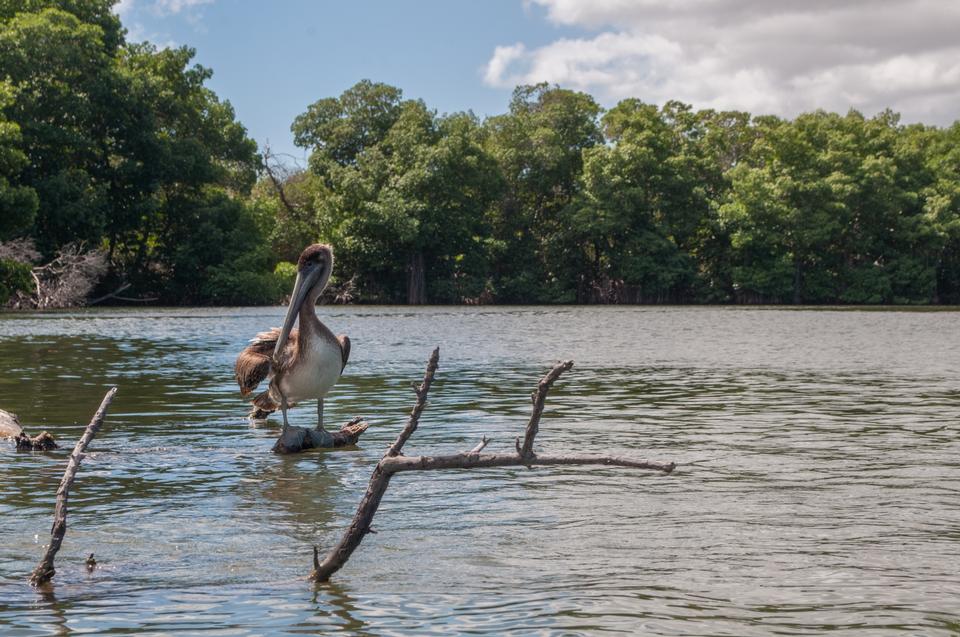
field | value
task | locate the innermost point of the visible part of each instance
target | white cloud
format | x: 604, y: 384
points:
x: 503, y: 56
x: 123, y: 8
x: 763, y: 56
x: 133, y: 14
x: 170, y: 7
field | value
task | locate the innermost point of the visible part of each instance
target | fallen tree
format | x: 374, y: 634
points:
x: 394, y: 462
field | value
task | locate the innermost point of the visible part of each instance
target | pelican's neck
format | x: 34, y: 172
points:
x: 310, y: 325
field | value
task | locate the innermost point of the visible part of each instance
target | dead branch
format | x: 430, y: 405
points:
x: 66, y: 281
x: 100, y: 299
x: 45, y: 570
x: 421, y: 391
x: 539, y: 397
x: 394, y: 462
x: 341, y: 293
x: 278, y: 176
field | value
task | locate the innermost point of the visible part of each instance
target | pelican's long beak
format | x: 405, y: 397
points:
x: 299, y: 295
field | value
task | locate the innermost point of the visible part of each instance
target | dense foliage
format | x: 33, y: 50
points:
x: 554, y: 202
x: 122, y: 147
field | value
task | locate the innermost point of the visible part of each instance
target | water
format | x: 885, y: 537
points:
x: 817, y: 489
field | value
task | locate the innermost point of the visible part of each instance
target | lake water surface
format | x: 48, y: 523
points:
x: 818, y: 486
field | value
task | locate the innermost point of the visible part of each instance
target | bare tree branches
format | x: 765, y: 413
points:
x: 45, y: 570
x: 394, y: 462
x: 66, y: 281
x: 279, y: 175
x: 539, y: 397
x: 421, y: 390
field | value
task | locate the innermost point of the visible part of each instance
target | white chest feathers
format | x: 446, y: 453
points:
x: 315, y: 373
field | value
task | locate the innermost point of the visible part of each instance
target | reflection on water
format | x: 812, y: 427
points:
x: 817, y: 490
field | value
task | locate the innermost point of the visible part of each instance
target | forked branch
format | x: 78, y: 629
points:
x: 45, y: 571
x: 394, y: 462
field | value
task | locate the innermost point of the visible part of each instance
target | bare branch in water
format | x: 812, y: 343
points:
x: 45, y: 571
x: 394, y: 462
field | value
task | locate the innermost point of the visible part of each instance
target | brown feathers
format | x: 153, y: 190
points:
x: 253, y: 363
x: 344, y: 349
x: 318, y: 253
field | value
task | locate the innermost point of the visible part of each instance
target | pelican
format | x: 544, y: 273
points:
x: 301, y: 364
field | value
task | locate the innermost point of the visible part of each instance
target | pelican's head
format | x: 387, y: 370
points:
x: 313, y: 272
x: 316, y: 260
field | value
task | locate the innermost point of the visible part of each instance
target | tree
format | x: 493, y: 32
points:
x: 18, y: 204
x: 181, y: 150
x: 647, y: 207
x: 539, y: 146
x: 59, y: 69
x: 124, y: 142
x: 941, y: 209
x: 403, y: 192
x: 788, y: 208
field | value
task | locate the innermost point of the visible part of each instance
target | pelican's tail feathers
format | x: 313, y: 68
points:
x: 263, y: 406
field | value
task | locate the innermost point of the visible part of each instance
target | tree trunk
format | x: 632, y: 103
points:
x: 416, y: 280
x: 797, y: 281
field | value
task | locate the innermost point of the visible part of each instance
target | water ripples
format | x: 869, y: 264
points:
x: 817, y: 487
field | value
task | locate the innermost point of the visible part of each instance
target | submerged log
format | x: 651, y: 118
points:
x: 10, y: 428
x: 297, y: 439
x: 394, y: 462
x: 45, y: 571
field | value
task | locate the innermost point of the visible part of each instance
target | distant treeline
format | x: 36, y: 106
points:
x: 122, y: 148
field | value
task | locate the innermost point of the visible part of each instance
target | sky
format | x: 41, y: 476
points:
x: 272, y: 59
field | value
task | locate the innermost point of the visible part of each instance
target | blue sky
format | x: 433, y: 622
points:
x: 783, y: 57
x: 272, y: 60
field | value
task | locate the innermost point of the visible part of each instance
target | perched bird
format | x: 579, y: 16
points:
x: 301, y: 363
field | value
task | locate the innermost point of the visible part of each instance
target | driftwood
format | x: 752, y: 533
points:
x: 45, y: 570
x: 394, y: 462
x: 10, y: 428
x: 297, y: 439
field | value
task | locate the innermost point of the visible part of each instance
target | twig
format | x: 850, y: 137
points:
x: 392, y: 463
x: 123, y: 287
x: 45, y: 571
x: 539, y: 398
x: 421, y: 391
x: 480, y: 445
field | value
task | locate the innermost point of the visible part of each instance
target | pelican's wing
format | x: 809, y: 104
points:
x: 344, y: 349
x: 254, y: 362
